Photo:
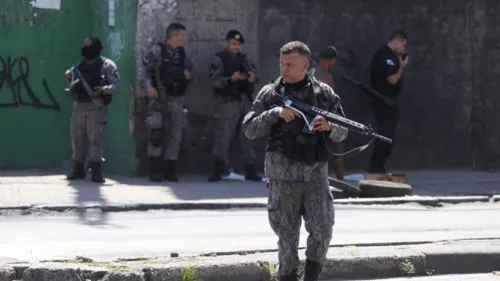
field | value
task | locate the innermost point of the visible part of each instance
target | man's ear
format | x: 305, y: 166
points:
x: 306, y: 65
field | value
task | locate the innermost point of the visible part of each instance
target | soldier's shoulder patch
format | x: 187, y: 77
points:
x: 390, y: 62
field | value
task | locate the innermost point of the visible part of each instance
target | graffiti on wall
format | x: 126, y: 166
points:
x: 115, y: 41
x: 14, y: 82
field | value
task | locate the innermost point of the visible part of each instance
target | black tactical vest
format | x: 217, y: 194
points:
x: 91, y: 72
x: 292, y: 139
x: 232, y: 64
x: 171, y: 72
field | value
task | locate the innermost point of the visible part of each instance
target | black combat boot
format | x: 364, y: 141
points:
x: 170, y: 172
x: 290, y: 277
x: 77, y: 172
x: 217, y: 171
x: 312, y: 270
x: 156, y: 173
x: 96, y: 175
x: 250, y: 173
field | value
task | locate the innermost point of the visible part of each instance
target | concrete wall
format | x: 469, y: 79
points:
x: 436, y: 108
x: 447, y: 111
x: 207, y: 22
x: 448, y: 115
x: 38, y: 45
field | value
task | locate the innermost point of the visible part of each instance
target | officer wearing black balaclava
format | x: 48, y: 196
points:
x: 93, y: 81
x: 92, y: 51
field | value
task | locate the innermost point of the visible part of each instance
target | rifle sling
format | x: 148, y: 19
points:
x: 353, y: 151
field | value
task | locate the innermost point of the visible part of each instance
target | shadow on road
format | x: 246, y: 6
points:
x: 196, y: 187
x: 89, y: 193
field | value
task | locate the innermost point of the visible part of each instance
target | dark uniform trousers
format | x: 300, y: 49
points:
x: 386, y: 119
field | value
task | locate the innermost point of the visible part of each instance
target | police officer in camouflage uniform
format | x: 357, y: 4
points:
x: 296, y: 161
x: 90, y: 112
x: 233, y: 77
x: 166, y: 73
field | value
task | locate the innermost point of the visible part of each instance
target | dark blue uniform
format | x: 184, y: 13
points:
x: 385, y: 63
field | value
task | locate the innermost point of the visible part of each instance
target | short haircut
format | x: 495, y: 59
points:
x: 296, y: 47
x: 399, y: 34
x: 174, y: 29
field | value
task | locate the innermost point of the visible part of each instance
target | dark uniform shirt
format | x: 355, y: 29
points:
x: 385, y: 63
x: 153, y: 59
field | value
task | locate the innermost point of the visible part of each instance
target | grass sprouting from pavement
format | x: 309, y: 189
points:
x: 189, y: 273
x: 407, y: 268
x: 273, y: 273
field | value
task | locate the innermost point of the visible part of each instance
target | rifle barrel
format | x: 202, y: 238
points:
x: 335, y: 118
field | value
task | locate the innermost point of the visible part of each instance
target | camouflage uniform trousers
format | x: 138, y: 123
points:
x: 288, y: 201
x: 88, y: 120
x: 165, y: 122
x: 227, y: 124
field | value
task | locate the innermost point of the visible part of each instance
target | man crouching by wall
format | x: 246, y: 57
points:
x: 92, y: 93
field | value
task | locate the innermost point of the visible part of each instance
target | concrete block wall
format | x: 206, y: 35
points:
x: 448, y: 112
x: 207, y: 22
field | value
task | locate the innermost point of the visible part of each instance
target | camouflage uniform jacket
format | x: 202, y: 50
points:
x: 263, y: 115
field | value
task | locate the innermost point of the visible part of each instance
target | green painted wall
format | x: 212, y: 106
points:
x: 119, y: 45
x: 35, y: 132
x: 34, y: 119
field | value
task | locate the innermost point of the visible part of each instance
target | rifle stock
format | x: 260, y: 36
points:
x: 309, y: 113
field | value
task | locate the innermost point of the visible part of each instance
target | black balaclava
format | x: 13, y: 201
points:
x: 93, y: 50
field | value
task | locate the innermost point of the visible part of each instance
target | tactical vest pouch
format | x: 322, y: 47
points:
x: 107, y: 99
x: 310, y: 150
x: 294, y: 140
x: 234, y: 90
x: 170, y: 74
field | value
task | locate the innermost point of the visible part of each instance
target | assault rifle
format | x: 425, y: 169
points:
x: 75, y: 80
x: 309, y: 113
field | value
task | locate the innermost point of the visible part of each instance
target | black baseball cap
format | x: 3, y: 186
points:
x: 236, y: 35
x: 328, y: 53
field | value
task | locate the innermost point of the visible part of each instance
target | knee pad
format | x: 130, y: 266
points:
x: 156, y: 137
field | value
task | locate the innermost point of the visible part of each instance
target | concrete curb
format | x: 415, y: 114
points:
x: 256, y: 204
x: 238, y: 269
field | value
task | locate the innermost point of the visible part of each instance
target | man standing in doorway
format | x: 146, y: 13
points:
x: 90, y: 112
x: 296, y: 161
x: 387, y: 67
x: 323, y: 73
x: 166, y: 73
x: 233, y: 76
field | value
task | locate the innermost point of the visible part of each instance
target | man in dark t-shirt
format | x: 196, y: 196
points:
x: 387, y: 68
x: 323, y: 72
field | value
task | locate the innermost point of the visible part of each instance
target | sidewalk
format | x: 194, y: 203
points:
x: 25, y: 189
x: 344, y: 263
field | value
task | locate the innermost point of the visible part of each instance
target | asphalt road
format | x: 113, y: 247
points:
x: 158, y: 233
